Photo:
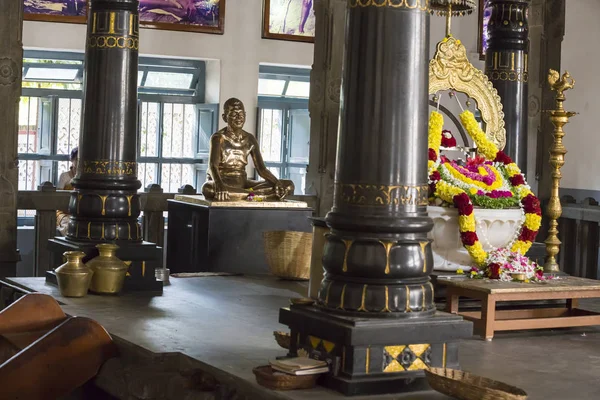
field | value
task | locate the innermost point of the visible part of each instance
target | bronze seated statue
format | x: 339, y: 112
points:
x: 230, y: 148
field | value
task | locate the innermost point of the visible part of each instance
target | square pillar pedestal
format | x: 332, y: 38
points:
x: 370, y: 356
x: 144, y: 257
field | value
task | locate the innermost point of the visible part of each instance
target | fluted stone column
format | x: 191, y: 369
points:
x: 506, y: 65
x: 11, y: 61
x: 105, y: 204
x: 324, y: 104
x: 378, y: 258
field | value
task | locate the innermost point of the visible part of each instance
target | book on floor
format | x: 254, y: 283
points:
x: 300, y: 366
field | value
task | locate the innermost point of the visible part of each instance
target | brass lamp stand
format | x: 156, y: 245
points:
x: 559, y: 118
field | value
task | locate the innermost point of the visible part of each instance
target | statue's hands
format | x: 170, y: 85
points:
x: 281, y: 189
x: 221, y: 194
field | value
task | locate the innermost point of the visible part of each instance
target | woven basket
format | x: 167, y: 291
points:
x: 288, y: 254
x: 267, y: 377
x: 464, y: 386
x: 283, y: 339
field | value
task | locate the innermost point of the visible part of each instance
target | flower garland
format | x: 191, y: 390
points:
x: 456, y: 182
x: 504, y: 265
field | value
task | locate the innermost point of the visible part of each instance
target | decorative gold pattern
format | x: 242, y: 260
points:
x: 388, y: 247
x: 444, y: 356
x: 114, y: 168
x: 362, y: 300
x: 103, y: 199
x: 402, y: 358
x: 112, y: 23
x: 317, y: 343
x: 129, y: 205
x: 504, y: 68
x: 450, y: 69
x: 111, y: 42
x: 423, y: 298
x: 387, y: 301
x: 327, y: 295
x: 423, y: 247
x: 408, y: 299
x: 341, y: 306
x: 367, y: 360
x: 422, y: 5
x: 347, y: 246
x: 559, y: 118
x: 358, y: 194
x: 89, y: 235
x: 143, y: 268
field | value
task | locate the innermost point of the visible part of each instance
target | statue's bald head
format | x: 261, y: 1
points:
x: 234, y: 113
x: 233, y: 103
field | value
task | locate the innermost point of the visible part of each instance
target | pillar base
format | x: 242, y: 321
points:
x: 375, y: 356
x: 145, y: 257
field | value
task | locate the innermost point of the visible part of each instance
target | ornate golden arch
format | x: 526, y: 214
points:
x: 451, y: 70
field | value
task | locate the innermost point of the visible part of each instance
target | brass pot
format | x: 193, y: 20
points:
x: 74, y: 276
x: 518, y: 276
x: 109, y: 271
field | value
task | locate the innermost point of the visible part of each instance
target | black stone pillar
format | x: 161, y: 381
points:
x: 105, y: 204
x: 378, y: 258
x: 375, y: 321
x: 506, y: 66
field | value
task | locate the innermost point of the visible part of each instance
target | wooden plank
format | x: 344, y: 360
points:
x: 544, y: 323
x: 487, y: 286
x: 518, y: 314
x: 550, y: 295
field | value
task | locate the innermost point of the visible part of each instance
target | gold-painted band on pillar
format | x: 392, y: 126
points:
x: 104, y: 167
x: 382, y: 195
x: 422, y: 5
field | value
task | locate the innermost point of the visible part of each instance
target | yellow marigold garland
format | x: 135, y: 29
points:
x: 460, y: 198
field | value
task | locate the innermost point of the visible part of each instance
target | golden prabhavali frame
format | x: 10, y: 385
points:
x: 451, y: 70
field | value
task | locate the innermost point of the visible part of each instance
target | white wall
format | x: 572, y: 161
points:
x: 235, y: 56
x: 239, y: 51
x: 580, y: 58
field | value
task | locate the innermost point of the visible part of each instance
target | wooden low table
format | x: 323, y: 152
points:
x: 488, y: 320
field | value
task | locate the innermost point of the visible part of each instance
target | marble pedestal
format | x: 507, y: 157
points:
x: 206, y: 236
x: 145, y: 257
x: 376, y: 355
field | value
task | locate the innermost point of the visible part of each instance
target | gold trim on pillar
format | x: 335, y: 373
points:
x: 111, y: 168
x: 388, y: 247
x: 450, y: 69
x: 347, y: 246
x: 103, y: 199
x: 363, y: 298
x: 369, y: 195
x: 444, y: 356
x: 422, y: 5
x: 367, y: 360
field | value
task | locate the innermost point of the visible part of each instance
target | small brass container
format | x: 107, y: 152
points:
x: 74, y: 276
x: 518, y: 276
x: 109, y: 271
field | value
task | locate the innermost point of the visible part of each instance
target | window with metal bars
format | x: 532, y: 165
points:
x: 283, y: 121
x: 174, y: 124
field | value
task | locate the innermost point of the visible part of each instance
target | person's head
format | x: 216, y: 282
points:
x: 234, y: 113
x: 74, y: 156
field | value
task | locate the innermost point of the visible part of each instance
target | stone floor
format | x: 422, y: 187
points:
x: 226, y: 323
